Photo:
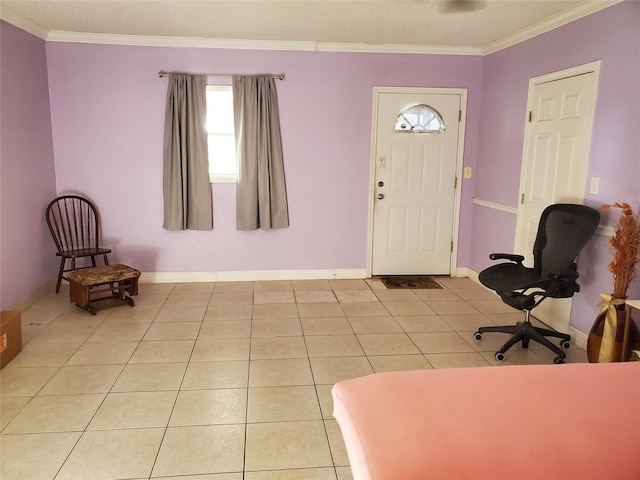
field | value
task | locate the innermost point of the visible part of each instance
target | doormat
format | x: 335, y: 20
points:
x: 408, y: 281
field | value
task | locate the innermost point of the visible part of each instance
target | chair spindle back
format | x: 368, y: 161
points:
x: 73, y: 222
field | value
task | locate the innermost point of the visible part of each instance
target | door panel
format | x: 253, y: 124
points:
x: 415, y: 176
x: 554, y: 165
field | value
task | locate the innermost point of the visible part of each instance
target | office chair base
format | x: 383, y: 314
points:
x: 524, y: 332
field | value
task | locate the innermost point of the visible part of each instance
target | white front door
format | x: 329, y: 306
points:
x: 414, y: 186
x: 555, y: 161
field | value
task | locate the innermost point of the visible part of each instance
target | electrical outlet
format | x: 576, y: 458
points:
x: 595, y: 185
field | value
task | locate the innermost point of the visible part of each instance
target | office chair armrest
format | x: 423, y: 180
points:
x: 507, y: 256
x: 563, y: 276
x: 563, y: 284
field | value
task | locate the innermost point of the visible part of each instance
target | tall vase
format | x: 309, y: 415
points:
x: 604, y: 343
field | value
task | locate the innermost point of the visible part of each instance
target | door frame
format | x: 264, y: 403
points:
x: 377, y: 91
x: 519, y: 240
x: 592, y: 67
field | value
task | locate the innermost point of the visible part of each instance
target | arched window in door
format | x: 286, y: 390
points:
x: 420, y: 118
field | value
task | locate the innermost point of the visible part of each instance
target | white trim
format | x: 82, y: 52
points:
x: 496, y: 206
x: 398, y: 48
x: 587, y: 68
x: 222, y: 178
x: 605, y: 230
x: 22, y: 23
x: 34, y: 297
x: 255, y: 275
x: 461, y: 272
x: 568, y: 16
x: 188, y: 42
x: 579, y: 338
x: 473, y: 275
x: 571, y: 15
x: 591, y: 67
x: 462, y: 92
x: 245, y: 44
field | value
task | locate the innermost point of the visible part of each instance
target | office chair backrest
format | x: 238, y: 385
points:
x: 73, y: 222
x: 563, y: 231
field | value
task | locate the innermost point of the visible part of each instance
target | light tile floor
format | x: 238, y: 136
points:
x: 225, y: 381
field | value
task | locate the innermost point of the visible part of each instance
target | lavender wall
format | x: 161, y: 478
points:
x: 107, y: 113
x: 27, y: 181
x: 615, y: 149
x: 107, y: 106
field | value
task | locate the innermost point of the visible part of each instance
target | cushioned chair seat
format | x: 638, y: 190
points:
x: 119, y: 282
x: 100, y: 275
x: 508, y: 277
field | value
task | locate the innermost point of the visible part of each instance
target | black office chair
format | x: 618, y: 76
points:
x: 563, y: 230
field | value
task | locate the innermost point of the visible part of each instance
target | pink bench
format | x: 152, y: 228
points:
x: 573, y: 421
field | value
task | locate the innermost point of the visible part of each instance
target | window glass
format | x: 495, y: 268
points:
x: 420, y: 119
x: 220, y: 129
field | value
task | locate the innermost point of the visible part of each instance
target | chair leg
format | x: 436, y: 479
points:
x: 541, y: 339
x: 106, y: 260
x: 509, y: 329
x: 524, y: 332
x: 60, y: 272
x: 552, y: 333
x: 520, y: 336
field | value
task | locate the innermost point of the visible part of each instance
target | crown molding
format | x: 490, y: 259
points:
x: 564, y: 18
x: 398, y: 48
x: 246, y: 44
x: 22, y: 23
x: 191, y: 42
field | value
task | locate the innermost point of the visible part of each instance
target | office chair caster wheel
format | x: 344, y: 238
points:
x: 565, y: 344
x: 477, y: 336
x: 558, y: 360
x: 500, y: 356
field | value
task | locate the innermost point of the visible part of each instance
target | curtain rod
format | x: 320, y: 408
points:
x: 162, y: 73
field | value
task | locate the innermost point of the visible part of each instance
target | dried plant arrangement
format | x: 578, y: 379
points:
x: 625, y: 244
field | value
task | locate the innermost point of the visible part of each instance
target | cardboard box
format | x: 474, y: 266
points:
x: 10, y: 336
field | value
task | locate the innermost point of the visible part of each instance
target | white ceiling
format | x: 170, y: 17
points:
x: 358, y: 25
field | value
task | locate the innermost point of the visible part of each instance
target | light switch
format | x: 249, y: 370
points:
x: 466, y: 173
x: 595, y: 185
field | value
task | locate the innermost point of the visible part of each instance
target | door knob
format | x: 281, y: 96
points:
x: 380, y: 196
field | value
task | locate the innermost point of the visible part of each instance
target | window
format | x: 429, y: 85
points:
x: 420, y: 119
x: 222, y: 141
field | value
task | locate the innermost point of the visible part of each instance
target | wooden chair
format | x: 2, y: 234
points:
x: 75, y: 227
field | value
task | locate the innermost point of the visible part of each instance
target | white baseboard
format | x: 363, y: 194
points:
x: 578, y: 337
x: 187, y: 277
x: 255, y: 275
x: 472, y: 275
x: 460, y: 272
x: 34, y: 297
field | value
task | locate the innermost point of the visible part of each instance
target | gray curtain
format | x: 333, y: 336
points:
x: 187, y: 191
x: 261, y: 195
